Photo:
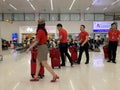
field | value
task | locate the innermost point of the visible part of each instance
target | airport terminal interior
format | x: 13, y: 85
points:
x: 18, y: 25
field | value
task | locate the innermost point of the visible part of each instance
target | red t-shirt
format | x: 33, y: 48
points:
x: 42, y: 37
x: 64, y: 35
x: 113, y: 35
x: 83, y: 35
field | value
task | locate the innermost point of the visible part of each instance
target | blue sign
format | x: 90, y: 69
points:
x: 100, y: 30
x: 102, y: 27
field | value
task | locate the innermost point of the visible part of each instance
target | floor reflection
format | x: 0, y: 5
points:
x: 98, y: 61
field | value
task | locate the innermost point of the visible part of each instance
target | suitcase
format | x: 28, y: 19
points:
x: 73, y: 51
x: 55, y: 57
x: 33, y: 64
x: 105, y: 50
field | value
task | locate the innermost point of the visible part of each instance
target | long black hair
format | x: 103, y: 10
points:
x: 41, y: 27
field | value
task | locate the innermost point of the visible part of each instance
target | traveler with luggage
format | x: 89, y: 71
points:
x: 63, y: 44
x: 41, y: 42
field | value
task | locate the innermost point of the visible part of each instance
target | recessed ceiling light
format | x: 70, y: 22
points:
x: 3, y: 0
x: 105, y: 8
x: 87, y: 8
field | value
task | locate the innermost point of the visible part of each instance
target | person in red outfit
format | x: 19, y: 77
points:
x: 41, y: 42
x: 113, y: 36
x: 84, y: 46
x: 63, y: 44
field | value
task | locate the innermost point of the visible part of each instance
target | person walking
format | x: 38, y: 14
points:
x: 63, y: 44
x: 41, y: 42
x: 113, y: 36
x: 84, y: 46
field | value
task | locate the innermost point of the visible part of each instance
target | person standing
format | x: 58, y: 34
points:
x: 63, y: 44
x: 113, y: 36
x: 41, y: 42
x: 84, y: 46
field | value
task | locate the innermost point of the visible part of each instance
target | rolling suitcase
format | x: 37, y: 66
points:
x: 33, y: 64
x: 73, y: 51
x: 106, y: 54
x: 55, y: 57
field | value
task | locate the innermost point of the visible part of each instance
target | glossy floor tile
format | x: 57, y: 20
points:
x: 98, y: 75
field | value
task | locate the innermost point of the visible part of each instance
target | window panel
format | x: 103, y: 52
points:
x: 117, y: 17
x: 99, y: 17
x: 89, y: 17
x: 75, y: 17
x: 64, y: 17
x: 0, y: 17
x: 7, y: 16
x: 109, y: 18
x: 54, y: 17
x: 45, y: 16
x: 29, y: 17
x: 19, y: 17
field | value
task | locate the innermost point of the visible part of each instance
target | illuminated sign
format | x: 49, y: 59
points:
x: 101, y: 26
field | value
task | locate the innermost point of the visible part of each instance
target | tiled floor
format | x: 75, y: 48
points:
x: 98, y: 75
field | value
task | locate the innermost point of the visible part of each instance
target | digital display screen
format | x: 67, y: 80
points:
x: 101, y: 27
x: 14, y: 37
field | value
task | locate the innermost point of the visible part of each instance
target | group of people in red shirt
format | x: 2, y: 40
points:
x: 41, y: 41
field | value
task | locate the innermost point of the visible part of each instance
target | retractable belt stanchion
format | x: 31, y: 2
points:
x: 1, y: 56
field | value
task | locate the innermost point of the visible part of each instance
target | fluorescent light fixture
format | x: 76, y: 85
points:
x: 13, y: 6
x: 72, y: 4
x: 94, y: 2
x: 31, y: 5
x: 105, y: 8
x: 115, y: 2
x: 87, y: 8
x: 51, y: 1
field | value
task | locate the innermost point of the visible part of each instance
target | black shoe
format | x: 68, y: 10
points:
x: 109, y: 61
x: 71, y: 64
x: 63, y: 65
x: 78, y: 62
x: 86, y: 62
x: 114, y: 62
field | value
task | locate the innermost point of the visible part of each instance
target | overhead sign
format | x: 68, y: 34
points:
x: 101, y: 27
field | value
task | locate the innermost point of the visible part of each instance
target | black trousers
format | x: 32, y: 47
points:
x: 82, y: 49
x: 112, y: 50
x: 64, y: 51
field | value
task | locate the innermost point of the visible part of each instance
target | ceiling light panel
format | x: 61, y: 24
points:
x: 51, y: 2
x: 72, y: 4
x: 13, y: 6
x: 31, y: 5
x: 115, y: 2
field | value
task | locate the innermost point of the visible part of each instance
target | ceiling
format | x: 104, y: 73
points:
x: 59, y: 6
